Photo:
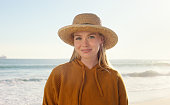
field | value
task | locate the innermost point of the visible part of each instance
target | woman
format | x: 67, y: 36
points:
x: 87, y: 79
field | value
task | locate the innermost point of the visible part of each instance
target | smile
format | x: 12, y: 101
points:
x: 86, y: 50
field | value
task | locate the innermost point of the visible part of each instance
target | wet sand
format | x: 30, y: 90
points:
x: 160, y: 101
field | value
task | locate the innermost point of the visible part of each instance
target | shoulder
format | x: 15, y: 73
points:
x: 116, y: 76
x: 111, y: 70
x: 114, y: 72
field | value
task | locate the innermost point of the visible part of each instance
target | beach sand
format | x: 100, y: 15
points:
x: 160, y: 101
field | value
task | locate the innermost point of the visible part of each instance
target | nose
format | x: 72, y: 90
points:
x: 85, y: 42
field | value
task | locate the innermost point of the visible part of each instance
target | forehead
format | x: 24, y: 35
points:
x: 85, y: 33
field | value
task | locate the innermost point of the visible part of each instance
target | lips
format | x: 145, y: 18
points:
x: 86, y: 50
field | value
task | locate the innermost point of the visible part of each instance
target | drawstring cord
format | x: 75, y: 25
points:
x: 98, y: 85
x: 81, y: 88
x: 83, y: 81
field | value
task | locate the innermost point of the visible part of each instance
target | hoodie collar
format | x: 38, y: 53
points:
x: 79, y: 62
x: 95, y: 68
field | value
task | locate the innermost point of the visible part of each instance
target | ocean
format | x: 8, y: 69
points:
x: 22, y: 81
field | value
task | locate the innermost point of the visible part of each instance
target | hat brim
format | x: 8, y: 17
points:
x: 65, y: 33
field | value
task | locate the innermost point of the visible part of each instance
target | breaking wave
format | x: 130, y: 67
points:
x: 149, y: 73
x: 22, y: 80
x: 12, y: 66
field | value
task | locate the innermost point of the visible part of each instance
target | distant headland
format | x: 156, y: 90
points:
x: 3, y: 57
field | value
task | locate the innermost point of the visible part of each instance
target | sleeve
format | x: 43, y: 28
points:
x: 123, y: 99
x: 51, y: 89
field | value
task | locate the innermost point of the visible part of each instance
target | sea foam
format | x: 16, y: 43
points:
x: 149, y: 73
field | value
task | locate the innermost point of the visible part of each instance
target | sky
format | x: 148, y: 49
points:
x: 28, y: 28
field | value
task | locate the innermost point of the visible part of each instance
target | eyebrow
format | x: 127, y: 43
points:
x: 77, y: 35
x: 92, y: 33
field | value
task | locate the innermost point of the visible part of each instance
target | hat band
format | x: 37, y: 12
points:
x: 87, y: 24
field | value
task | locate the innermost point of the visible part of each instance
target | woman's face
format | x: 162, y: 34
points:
x: 87, y: 44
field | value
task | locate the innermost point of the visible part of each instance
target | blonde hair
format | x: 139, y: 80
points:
x: 102, y: 58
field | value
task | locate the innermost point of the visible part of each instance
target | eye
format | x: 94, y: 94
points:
x: 78, y: 38
x: 91, y: 37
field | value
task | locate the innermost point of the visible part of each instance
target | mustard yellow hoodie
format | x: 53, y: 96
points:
x: 73, y: 83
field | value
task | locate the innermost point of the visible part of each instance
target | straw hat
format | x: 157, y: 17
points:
x: 88, y: 22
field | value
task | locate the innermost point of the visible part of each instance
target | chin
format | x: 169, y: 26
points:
x: 87, y: 56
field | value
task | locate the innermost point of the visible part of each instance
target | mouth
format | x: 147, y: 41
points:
x: 86, y: 50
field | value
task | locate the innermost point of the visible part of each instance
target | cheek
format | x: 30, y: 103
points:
x: 96, y: 44
x: 76, y: 44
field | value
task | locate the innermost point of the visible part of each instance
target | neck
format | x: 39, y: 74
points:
x: 90, y: 63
